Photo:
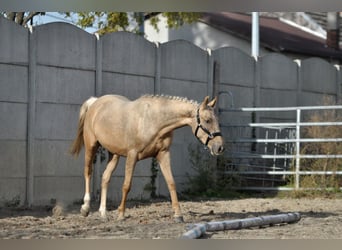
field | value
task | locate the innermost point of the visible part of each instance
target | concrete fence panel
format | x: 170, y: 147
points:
x: 65, y: 78
x: 128, y: 65
x: 318, y: 81
x: 13, y: 43
x: 128, y: 68
x: 277, y: 76
x: 14, y: 74
x: 46, y: 75
x: 235, y: 77
x: 184, y: 72
x: 65, y: 45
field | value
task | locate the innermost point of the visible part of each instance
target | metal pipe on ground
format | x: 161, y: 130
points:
x: 199, y: 229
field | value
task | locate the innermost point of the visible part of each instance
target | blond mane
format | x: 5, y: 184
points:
x: 173, y: 98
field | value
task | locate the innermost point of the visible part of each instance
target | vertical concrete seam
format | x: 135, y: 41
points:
x: 157, y: 88
x: 31, y: 119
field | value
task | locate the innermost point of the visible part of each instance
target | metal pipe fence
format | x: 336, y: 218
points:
x: 291, y: 158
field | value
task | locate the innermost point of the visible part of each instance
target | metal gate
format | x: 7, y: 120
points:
x: 265, y: 146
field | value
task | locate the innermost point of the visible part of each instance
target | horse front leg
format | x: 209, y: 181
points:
x: 126, y: 187
x: 163, y: 158
x: 111, y: 166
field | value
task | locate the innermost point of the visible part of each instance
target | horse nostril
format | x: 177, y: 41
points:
x: 221, y: 149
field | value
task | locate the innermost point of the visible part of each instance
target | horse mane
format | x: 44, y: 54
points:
x: 172, y: 98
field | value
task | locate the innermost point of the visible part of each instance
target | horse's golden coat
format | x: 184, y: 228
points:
x: 136, y: 130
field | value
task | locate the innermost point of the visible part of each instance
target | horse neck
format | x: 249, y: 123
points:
x: 177, y: 114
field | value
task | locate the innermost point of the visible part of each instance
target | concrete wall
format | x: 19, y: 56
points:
x: 46, y: 75
x: 64, y: 78
x: 14, y: 75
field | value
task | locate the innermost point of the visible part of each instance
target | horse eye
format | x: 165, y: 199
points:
x: 208, y: 121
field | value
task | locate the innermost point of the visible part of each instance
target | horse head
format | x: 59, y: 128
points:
x: 206, y: 127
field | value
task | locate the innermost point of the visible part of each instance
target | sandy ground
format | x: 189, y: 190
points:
x: 321, y: 219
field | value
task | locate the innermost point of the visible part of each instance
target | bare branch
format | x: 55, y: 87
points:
x: 19, y: 18
x: 11, y: 15
x: 31, y: 15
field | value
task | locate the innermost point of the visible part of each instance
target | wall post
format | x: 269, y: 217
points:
x: 31, y: 119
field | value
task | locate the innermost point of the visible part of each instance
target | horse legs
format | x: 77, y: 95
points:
x: 163, y: 158
x: 90, y: 152
x: 112, y: 163
x: 126, y: 187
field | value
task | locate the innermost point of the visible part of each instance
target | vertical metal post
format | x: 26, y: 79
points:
x: 297, y: 148
x: 255, y: 35
x: 212, y: 87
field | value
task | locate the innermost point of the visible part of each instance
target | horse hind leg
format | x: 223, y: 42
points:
x: 111, y: 166
x: 90, y: 152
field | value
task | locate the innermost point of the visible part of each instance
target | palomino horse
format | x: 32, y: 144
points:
x: 139, y: 129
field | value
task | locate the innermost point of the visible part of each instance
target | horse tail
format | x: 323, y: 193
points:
x: 79, y: 141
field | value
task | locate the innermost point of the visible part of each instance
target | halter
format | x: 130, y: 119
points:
x: 210, y: 135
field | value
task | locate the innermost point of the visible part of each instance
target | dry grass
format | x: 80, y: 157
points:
x: 321, y: 184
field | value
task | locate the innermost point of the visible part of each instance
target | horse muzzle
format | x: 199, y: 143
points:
x: 217, y: 149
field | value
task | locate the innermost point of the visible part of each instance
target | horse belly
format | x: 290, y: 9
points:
x: 114, y: 139
x: 155, y: 146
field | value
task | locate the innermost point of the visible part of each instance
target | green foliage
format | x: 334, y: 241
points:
x: 209, y: 179
x: 175, y: 19
x: 107, y: 22
x: 151, y: 187
x: 21, y: 18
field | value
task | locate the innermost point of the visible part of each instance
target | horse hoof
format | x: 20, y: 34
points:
x: 179, y: 219
x: 103, y: 218
x: 103, y: 214
x: 84, y: 212
x: 121, y: 218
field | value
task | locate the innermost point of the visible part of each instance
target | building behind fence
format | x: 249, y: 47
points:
x: 46, y: 75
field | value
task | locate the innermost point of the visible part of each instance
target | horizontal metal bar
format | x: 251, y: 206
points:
x: 257, y: 156
x: 271, y: 168
x: 264, y: 188
x: 263, y: 109
x: 262, y: 178
x: 279, y: 188
x: 250, y: 156
x: 285, y: 172
x: 292, y: 124
x: 282, y: 125
x: 248, y: 126
x: 273, y: 124
x: 320, y: 123
x: 284, y: 140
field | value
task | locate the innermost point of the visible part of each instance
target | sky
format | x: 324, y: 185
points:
x: 50, y: 17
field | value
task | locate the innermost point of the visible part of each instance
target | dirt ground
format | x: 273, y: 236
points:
x: 320, y: 219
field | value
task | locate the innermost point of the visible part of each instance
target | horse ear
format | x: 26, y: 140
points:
x: 213, y: 102
x: 205, y: 102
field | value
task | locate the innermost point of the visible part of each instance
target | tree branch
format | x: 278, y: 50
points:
x: 11, y: 15
x: 19, y: 18
x: 31, y: 15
